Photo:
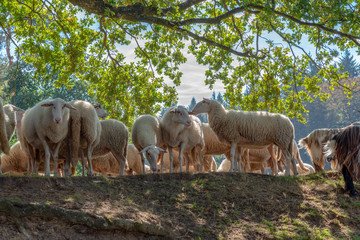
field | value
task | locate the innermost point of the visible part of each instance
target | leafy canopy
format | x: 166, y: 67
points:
x: 252, y: 45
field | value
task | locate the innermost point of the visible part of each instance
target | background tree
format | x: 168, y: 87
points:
x: 349, y: 64
x: 82, y: 39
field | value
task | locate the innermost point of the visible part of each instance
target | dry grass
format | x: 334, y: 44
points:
x: 196, y: 206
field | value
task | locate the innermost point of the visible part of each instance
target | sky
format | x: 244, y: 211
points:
x: 192, y: 81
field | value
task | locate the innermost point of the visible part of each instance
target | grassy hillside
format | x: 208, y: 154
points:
x: 184, y: 206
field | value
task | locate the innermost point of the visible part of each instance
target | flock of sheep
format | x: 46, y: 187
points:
x: 65, y: 132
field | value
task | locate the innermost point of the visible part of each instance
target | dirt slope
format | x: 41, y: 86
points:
x: 178, y: 206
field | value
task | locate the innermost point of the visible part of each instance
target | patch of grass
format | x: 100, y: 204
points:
x: 354, y: 236
x: 344, y: 203
x: 95, y: 185
x: 106, y: 180
x: 270, y: 226
x: 338, y: 213
x: 15, y: 199
x: 78, y: 197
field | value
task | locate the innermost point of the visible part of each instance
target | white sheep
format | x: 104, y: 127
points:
x: 257, y: 160
x: 84, y: 133
x: 314, y: 144
x: 296, y: 154
x: 147, y: 138
x: 212, y: 144
x: 213, y: 165
x: 106, y: 165
x: 16, y: 162
x: 134, y: 161
x: 113, y: 138
x: 224, y: 166
x: 209, y: 163
x: 9, y: 111
x: 25, y: 146
x: 249, y: 129
x: 184, y: 132
x: 4, y: 142
x: 45, y: 126
x: 310, y: 170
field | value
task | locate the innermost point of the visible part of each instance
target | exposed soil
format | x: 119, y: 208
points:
x: 184, y: 206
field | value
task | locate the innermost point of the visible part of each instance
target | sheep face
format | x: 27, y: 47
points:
x: 180, y: 115
x: 100, y: 111
x: 58, y: 109
x: 201, y: 107
x: 152, y: 153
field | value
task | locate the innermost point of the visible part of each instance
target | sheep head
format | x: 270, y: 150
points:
x: 58, y: 108
x: 180, y: 115
x: 201, y: 107
x: 152, y: 153
x: 100, y: 111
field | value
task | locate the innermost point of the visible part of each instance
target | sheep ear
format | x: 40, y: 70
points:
x: 162, y: 150
x: 68, y: 105
x: 144, y: 150
x: 47, y: 104
x: 19, y: 115
x: 206, y: 100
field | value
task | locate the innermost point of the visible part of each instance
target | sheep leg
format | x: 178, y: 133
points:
x: 36, y: 161
x: 201, y: 159
x: 31, y: 160
x: 273, y: 158
x: 288, y: 159
x: 89, y: 152
x: 60, y: 173
x: 82, y: 162
x: 180, y: 158
x: 47, y: 157
x: 67, y: 161
x: 187, y: 160
x: 30, y: 165
x: 294, y: 166
x: 121, y: 160
x: 122, y: 167
x: 143, y: 162
x: 235, y: 162
x: 238, y: 159
x: 55, y: 156
x: 232, y: 153
x: 162, y: 162
x: 171, y: 159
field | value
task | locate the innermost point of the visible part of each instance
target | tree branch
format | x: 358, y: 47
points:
x: 216, y: 44
x: 311, y: 24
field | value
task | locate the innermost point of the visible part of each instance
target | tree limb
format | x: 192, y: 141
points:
x: 311, y: 24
